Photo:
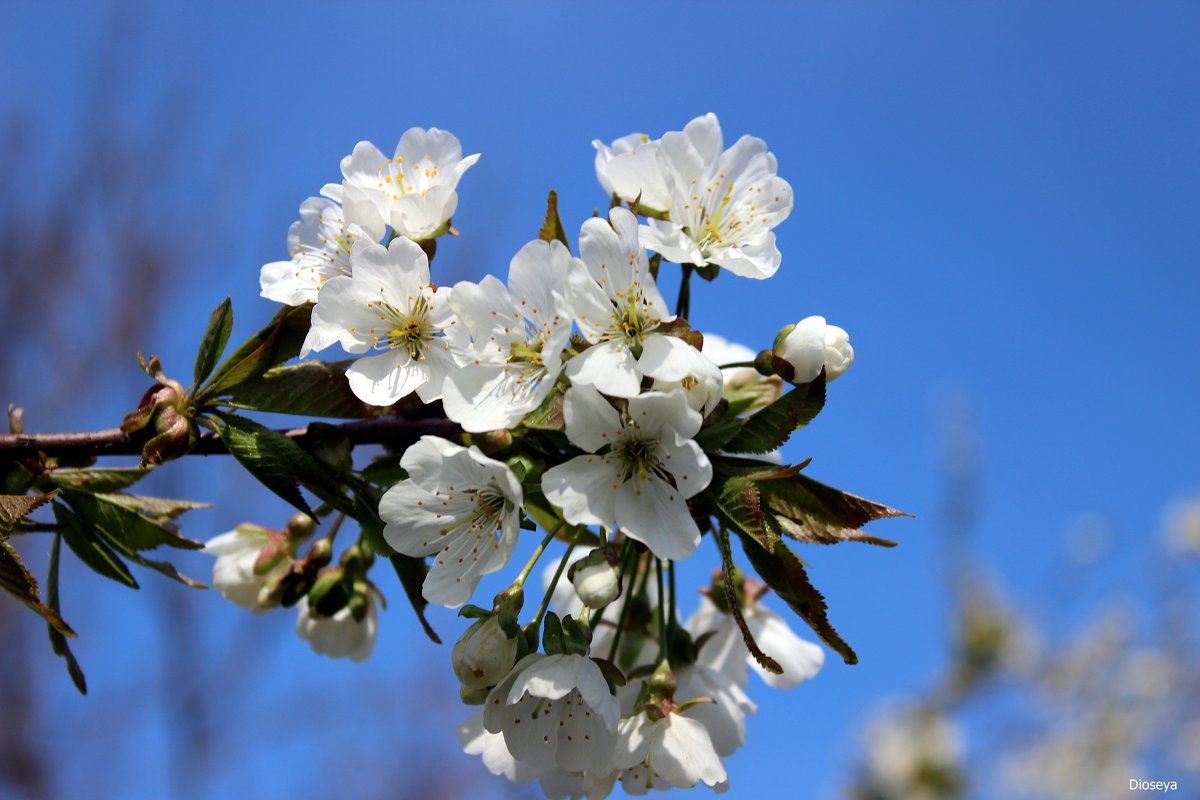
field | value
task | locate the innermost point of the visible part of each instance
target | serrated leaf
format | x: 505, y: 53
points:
x: 552, y: 228
x: 17, y: 580
x: 88, y: 545
x: 165, y: 568
x: 212, y: 344
x: 764, y: 660
x: 15, y: 507
x: 158, y: 507
x: 98, y: 480
x: 813, y: 512
x: 411, y: 572
x: 769, y: 428
x: 738, y: 504
x: 279, y: 341
x: 308, y: 389
x: 58, y: 637
x: 118, y: 518
x: 784, y: 572
x: 274, y: 460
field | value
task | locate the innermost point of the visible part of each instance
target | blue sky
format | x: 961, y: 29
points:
x: 996, y: 200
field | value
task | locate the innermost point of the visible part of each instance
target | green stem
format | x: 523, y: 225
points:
x: 541, y: 548
x: 683, y: 305
x: 737, y: 364
x: 663, y: 653
x: 672, y: 619
x: 635, y: 588
x: 335, y: 527
x: 562, y: 565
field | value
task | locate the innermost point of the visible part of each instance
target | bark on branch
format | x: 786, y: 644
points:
x: 115, y: 442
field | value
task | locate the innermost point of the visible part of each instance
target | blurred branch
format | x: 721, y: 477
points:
x: 115, y: 442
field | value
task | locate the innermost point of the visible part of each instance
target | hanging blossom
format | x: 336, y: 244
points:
x: 725, y: 651
x: 673, y: 751
x: 451, y: 506
x: 241, y: 571
x: 389, y: 305
x: 555, y: 712
x: 723, y: 203
x: 413, y: 191
x: 629, y: 171
x: 640, y: 470
x: 518, y: 335
x: 341, y: 635
x: 619, y: 310
x: 319, y: 243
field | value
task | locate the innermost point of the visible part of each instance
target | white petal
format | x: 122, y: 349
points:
x: 683, y: 754
x: 609, y: 367
x: 383, y: 379
x: 656, y: 514
x: 800, y: 658
x: 591, y: 421
x: 583, y: 490
x: 633, y: 741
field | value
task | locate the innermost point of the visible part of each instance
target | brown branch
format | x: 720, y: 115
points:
x: 115, y: 442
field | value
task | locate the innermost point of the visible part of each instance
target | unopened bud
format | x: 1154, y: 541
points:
x: 329, y: 593
x: 597, y: 577
x: 319, y: 554
x: 300, y: 526
x: 360, y: 600
x: 473, y: 696
x: 484, y: 654
x: 810, y: 346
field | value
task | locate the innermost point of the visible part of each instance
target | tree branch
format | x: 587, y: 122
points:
x: 115, y: 442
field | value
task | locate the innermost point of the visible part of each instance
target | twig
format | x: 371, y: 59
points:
x: 115, y: 442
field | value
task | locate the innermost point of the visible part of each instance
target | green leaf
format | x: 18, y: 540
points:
x: 549, y: 415
x: 164, y: 567
x: 769, y: 428
x: 727, y: 568
x: 273, y: 345
x: 810, y: 511
x: 158, y: 508
x: 552, y: 228
x: 15, y: 507
x: 365, y: 503
x: 411, y: 572
x: 784, y: 573
x: 88, y: 545
x: 308, y: 389
x: 17, y: 580
x: 216, y: 336
x: 117, y: 516
x: 273, y: 459
x: 738, y: 504
x: 58, y: 637
x: 385, y: 470
x: 98, y: 480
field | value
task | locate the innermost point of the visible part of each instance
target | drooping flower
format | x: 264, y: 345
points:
x: 555, y: 712
x: 725, y: 651
x: 812, y: 345
x: 388, y: 304
x: 674, y: 750
x: 341, y: 635
x: 597, y: 577
x: 319, y: 243
x: 723, y: 203
x: 451, y: 506
x: 725, y: 717
x: 641, y: 469
x: 629, y: 169
x: 518, y: 333
x: 241, y: 570
x: 619, y: 310
x: 413, y: 191
x: 477, y: 740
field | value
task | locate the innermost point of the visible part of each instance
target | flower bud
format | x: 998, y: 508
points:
x: 300, y: 526
x: 484, y: 654
x: 597, y: 577
x: 809, y: 346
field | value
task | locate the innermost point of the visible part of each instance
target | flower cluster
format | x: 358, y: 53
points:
x: 588, y: 408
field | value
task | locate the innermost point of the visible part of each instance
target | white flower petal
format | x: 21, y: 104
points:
x: 591, y: 421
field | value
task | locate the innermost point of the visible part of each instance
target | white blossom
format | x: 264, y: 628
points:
x: 477, y: 740
x: 675, y: 750
x: 619, y: 310
x: 640, y: 470
x: 339, y: 636
x: 813, y: 345
x: 519, y: 333
x: 319, y: 243
x: 723, y: 203
x: 702, y: 386
x: 484, y: 654
x: 726, y: 651
x: 725, y: 717
x: 629, y: 169
x: 451, y: 506
x: 388, y: 304
x: 413, y: 191
x: 234, y: 575
x: 597, y: 577
x: 555, y: 712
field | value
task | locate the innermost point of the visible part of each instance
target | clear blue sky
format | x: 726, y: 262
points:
x: 998, y: 197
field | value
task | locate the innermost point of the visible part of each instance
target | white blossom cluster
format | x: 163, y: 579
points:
x: 611, y: 685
